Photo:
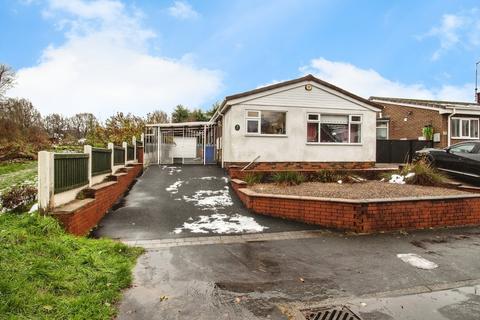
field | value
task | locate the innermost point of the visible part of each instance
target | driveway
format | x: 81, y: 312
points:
x: 185, y: 201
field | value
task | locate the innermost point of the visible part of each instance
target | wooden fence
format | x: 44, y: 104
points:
x: 70, y: 171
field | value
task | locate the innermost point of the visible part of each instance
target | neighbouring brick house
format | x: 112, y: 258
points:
x: 452, y: 121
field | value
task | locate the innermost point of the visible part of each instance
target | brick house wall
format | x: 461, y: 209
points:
x: 416, y: 120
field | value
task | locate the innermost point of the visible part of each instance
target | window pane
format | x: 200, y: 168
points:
x: 273, y: 122
x: 334, y: 128
x: 465, y: 128
x: 252, y: 114
x: 382, y: 124
x: 455, y: 127
x: 356, y: 118
x: 463, y: 148
x: 382, y: 133
x: 334, y: 132
x: 252, y: 126
x: 313, y: 117
x: 334, y: 119
x: 312, y: 132
x: 474, y: 129
x: 355, y: 132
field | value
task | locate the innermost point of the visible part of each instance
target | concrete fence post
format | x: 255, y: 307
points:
x: 134, y: 143
x: 125, y: 147
x: 45, y: 181
x: 111, y: 147
x: 88, y: 150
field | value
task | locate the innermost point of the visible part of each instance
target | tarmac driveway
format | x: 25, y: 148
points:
x: 185, y: 201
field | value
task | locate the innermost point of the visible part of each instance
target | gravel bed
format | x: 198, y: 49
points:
x: 366, y: 190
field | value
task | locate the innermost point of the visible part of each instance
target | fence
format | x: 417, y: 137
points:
x: 70, y: 171
x: 101, y: 161
x: 399, y: 151
x: 118, y: 155
x: 62, y: 175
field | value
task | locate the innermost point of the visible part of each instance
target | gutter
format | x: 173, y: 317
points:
x: 450, y: 126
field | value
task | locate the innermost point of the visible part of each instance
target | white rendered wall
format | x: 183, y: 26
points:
x: 240, y: 147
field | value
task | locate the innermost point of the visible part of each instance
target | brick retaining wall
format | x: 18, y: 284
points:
x: 80, y: 217
x: 365, y: 216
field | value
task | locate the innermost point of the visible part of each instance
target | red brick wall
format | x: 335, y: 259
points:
x: 81, y: 221
x: 412, y: 128
x: 140, y: 154
x: 362, y: 216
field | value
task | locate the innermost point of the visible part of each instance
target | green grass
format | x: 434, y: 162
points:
x: 47, y: 274
x: 17, y: 173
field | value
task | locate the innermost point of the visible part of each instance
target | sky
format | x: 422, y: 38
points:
x: 138, y: 56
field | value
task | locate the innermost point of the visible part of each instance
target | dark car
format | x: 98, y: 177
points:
x: 461, y: 160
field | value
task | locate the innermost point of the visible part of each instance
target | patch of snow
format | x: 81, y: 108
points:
x: 399, y: 179
x: 208, y: 178
x: 33, y: 208
x: 173, y: 188
x: 210, y: 199
x: 222, y: 224
x: 396, y: 178
x: 417, y: 261
x: 340, y: 181
x: 225, y: 179
x: 171, y: 170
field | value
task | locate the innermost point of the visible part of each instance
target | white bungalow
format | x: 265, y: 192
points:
x: 305, y: 123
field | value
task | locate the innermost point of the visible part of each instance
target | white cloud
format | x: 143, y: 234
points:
x: 368, y: 82
x: 182, y: 10
x: 456, y: 30
x: 104, y: 66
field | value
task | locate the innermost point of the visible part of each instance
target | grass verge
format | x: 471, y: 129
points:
x: 17, y: 173
x: 48, y: 274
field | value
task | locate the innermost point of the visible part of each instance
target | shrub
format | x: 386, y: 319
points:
x: 423, y: 174
x: 253, y: 178
x: 326, y: 176
x: 290, y: 178
x: 18, y: 198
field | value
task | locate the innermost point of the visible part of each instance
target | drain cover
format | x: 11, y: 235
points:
x: 330, y: 313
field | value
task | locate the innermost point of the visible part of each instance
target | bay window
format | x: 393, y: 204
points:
x: 334, y: 128
x: 266, y: 122
x: 465, y: 128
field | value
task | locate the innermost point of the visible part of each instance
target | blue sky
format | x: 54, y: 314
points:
x: 111, y: 55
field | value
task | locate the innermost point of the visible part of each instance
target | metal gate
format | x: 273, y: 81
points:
x: 181, y: 143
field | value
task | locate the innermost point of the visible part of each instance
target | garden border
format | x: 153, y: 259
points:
x: 365, y: 216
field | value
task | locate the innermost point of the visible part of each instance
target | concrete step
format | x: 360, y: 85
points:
x: 72, y: 206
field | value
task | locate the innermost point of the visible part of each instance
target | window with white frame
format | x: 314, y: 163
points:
x: 382, y: 129
x: 334, y: 128
x: 266, y: 122
x: 465, y: 128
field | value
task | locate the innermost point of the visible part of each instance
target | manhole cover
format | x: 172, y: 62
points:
x: 330, y: 313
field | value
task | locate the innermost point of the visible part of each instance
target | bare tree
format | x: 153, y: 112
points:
x: 81, y: 124
x: 56, y: 126
x: 157, y: 116
x: 19, y: 120
x: 7, y: 79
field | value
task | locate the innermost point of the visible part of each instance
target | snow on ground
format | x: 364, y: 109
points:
x: 33, y: 208
x: 398, y: 179
x: 210, y: 199
x: 172, y: 170
x: 417, y: 261
x: 221, y: 224
x: 208, y: 178
x: 173, y: 188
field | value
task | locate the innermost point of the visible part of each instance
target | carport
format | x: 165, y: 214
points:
x: 182, y: 143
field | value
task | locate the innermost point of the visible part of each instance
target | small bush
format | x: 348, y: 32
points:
x: 326, y: 176
x: 290, y: 178
x: 423, y: 174
x: 18, y: 198
x: 253, y: 178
